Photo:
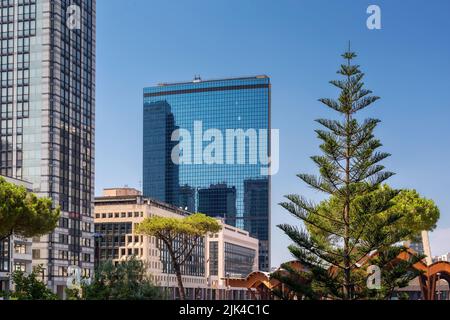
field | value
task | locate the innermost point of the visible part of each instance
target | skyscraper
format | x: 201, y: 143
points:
x: 160, y: 173
x: 47, y: 120
x: 222, y: 130
x: 256, y: 209
x: 218, y: 201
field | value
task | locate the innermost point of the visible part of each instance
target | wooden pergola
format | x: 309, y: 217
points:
x: 261, y: 286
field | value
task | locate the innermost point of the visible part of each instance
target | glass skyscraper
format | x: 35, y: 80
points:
x: 182, y: 121
x: 47, y: 120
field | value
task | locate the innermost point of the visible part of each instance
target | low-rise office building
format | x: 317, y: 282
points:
x: 231, y: 253
x: 119, y: 210
x: 15, y: 252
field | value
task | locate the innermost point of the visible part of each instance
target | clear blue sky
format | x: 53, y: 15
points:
x: 298, y: 44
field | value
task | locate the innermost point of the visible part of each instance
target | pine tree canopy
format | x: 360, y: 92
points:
x: 357, y: 220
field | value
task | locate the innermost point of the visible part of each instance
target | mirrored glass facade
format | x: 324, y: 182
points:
x: 210, y: 111
x: 238, y: 260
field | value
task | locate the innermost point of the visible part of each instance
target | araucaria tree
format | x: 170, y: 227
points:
x: 179, y: 236
x: 24, y: 214
x: 355, y: 223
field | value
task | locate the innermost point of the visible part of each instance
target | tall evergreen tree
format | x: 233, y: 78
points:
x: 352, y: 226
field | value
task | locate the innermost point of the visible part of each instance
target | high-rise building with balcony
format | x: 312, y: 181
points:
x: 224, y: 127
x: 15, y: 252
x: 47, y: 120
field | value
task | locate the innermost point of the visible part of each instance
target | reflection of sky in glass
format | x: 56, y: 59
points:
x: 245, y: 106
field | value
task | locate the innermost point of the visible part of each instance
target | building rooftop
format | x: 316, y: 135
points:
x: 198, y: 79
x: 117, y: 192
x: 131, y: 195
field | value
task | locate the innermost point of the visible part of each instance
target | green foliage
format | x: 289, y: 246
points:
x: 24, y: 214
x: 127, y: 280
x: 355, y: 227
x: 74, y: 294
x: 416, y: 214
x: 179, y: 236
x: 29, y: 287
x: 196, y: 225
x: 419, y: 213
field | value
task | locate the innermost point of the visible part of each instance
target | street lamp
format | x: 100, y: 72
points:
x: 439, y: 288
x: 227, y: 283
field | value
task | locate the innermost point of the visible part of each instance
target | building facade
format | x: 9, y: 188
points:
x: 422, y: 246
x: 221, y: 132
x: 218, y: 201
x: 15, y: 252
x: 119, y: 210
x: 230, y: 253
x: 117, y: 213
x: 47, y: 120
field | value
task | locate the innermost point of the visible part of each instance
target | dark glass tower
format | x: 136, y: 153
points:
x: 256, y: 208
x: 162, y: 182
x: 209, y: 111
x: 218, y: 201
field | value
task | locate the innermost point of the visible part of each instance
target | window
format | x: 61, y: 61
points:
x: 238, y: 260
x: 20, y: 248
x: 213, y: 258
x: 86, y: 273
x: 20, y: 266
x: 63, y: 238
x: 36, y: 254
x: 4, y: 256
x: 64, y: 223
x: 62, y: 271
x: 63, y: 255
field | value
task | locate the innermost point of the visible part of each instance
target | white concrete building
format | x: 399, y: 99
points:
x: 230, y: 251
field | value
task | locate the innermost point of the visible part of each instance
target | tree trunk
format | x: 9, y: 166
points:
x: 347, y: 263
x: 180, y: 281
x: 347, y: 271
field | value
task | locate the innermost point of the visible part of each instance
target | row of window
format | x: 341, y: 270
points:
x: 64, y: 272
x: 119, y: 215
